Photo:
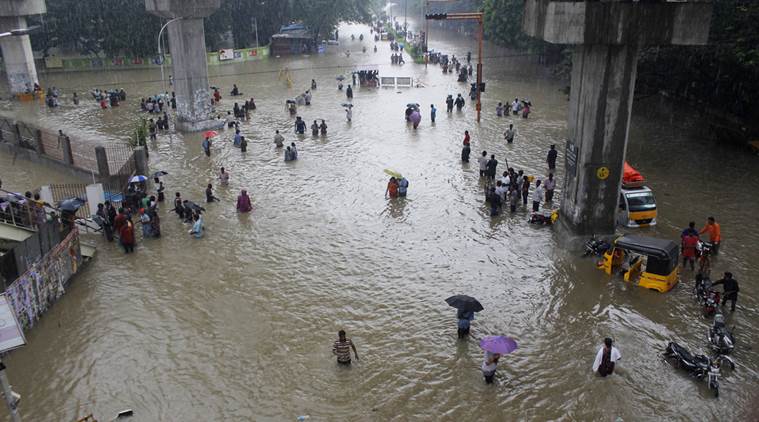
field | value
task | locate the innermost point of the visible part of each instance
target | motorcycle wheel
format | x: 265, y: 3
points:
x: 714, y: 386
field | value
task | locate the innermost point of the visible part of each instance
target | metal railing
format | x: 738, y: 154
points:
x: 19, y: 211
x: 48, y: 143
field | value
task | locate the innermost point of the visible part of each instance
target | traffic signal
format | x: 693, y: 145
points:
x: 436, y: 16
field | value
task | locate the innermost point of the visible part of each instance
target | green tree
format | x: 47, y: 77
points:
x: 322, y: 16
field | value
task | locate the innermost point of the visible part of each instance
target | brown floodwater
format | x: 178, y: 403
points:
x: 239, y: 325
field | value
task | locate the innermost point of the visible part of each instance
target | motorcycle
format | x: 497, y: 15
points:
x: 543, y: 218
x: 721, y: 339
x: 699, y: 366
x: 708, y: 297
x: 596, y: 247
x: 703, y: 251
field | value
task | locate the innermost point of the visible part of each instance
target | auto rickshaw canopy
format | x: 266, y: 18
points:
x: 663, y: 254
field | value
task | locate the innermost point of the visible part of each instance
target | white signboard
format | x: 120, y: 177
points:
x: 11, y: 336
x: 226, y: 54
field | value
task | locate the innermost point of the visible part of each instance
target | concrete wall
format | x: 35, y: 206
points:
x: 17, y: 56
x: 22, y: 7
x: 170, y: 9
x: 600, y: 104
x: 190, y: 70
x: 618, y: 22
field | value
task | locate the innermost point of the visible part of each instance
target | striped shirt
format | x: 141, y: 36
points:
x: 343, y: 350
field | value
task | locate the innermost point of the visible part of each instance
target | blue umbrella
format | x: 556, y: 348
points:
x: 137, y: 179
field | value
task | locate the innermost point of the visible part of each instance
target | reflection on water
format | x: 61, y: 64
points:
x: 239, y: 325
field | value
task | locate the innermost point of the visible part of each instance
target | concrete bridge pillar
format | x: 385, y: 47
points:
x: 607, y: 37
x: 17, y: 49
x: 188, y: 59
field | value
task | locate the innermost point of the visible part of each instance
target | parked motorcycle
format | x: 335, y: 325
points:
x: 721, y: 339
x: 699, y: 366
x: 544, y: 218
x: 706, y: 295
x: 704, y: 251
x: 596, y: 247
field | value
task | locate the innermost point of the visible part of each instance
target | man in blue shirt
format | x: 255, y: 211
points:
x: 433, y: 111
x: 402, y: 187
x: 465, y: 318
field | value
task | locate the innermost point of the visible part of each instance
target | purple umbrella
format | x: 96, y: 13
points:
x: 498, y: 344
x: 415, y: 117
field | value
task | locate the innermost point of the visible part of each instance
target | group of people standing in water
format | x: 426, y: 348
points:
x: 516, y: 107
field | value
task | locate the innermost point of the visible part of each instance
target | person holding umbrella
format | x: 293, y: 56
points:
x: 207, y: 142
x: 415, y: 117
x: 489, y: 365
x: 495, y: 347
x: 465, y: 318
x: 466, y: 307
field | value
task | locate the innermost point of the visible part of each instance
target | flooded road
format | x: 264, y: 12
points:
x: 239, y: 325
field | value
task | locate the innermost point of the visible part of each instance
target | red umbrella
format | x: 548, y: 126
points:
x: 210, y: 134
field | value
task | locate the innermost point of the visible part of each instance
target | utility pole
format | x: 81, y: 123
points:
x: 12, y: 338
x: 11, y: 398
x: 468, y: 16
x: 255, y: 22
x: 160, y: 50
x: 405, y: 10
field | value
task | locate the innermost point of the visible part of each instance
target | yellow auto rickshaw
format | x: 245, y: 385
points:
x: 650, y: 262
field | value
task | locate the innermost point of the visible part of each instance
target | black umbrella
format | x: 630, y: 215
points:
x: 464, y: 303
x: 193, y: 206
x: 71, y: 204
x: 160, y: 173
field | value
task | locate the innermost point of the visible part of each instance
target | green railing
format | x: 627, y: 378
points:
x: 115, y: 63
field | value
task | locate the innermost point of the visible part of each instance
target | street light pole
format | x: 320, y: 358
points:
x: 405, y: 10
x: 8, y: 394
x: 255, y: 22
x: 479, y: 70
x: 160, y: 53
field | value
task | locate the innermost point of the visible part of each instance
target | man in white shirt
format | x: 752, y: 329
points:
x: 500, y: 190
x: 509, y: 134
x: 505, y: 180
x: 606, y: 357
x: 483, y: 161
x: 537, y: 197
